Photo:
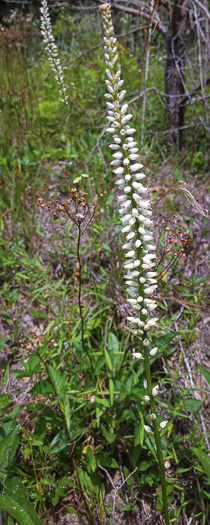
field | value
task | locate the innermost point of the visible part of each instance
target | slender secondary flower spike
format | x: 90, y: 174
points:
x: 135, y: 212
x: 52, y: 51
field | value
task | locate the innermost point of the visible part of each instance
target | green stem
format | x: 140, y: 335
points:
x: 157, y: 438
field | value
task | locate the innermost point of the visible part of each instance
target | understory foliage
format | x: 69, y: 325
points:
x: 73, y: 402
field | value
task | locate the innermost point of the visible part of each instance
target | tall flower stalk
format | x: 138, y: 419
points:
x: 135, y: 211
x: 52, y: 51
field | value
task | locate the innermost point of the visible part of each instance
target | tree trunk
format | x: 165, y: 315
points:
x: 174, y: 73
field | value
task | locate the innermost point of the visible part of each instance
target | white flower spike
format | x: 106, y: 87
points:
x: 135, y: 212
x: 51, y: 50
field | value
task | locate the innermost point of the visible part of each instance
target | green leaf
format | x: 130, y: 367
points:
x: 5, y: 400
x: 130, y: 481
x: 108, y: 360
x: 204, y: 459
x: 192, y: 405
x: 106, y: 461
x: 19, y: 373
x: 128, y: 508
x: 6, y: 443
x: 111, y: 391
x: 58, y: 379
x: 91, y: 461
x: 100, y: 363
x: 40, y: 430
x: 138, y: 435
x: 17, y: 512
x: 71, y: 510
x: 103, y: 402
x: 42, y: 387
x: 3, y: 340
x: 32, y: 365
x: 6, y: 316
x: 113, y: 342
x: 205, y: 372
x: 109, y: 436
x: 164, y: 339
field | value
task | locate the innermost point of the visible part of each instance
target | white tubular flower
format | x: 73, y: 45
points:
x: 153, y: 417
x: 146, y: 398
x: 167, y: 464
x: 137, y: 355
x: 52, y: 51
x: 155, y: 390
x: 163, y: 424
x: 153, y: 352
x: 148, y: 429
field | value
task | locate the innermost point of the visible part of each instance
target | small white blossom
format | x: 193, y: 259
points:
x: 137, y: 355
x: 153, y: 352
x: 163, y: 424
x: 147, y: 428
x: 167, y: 464
x: 155, y: 390
x: 153, y: 417
x: 146, y: 398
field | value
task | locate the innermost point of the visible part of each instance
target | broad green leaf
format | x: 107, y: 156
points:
x: 85, y: 480
x: 205, y: 372
x: 103, y: 402
x: 192, y: 405
x: 145, y: 465
x: 42, y: 387
x: 16, y: 511
x: 204, y: 459
x: 3, y: 340
x: 113, y: 342
x: 6, y: 316
x: 6, y: 443
x: 109, y: 436
x: 32, y: 365
x: 128, y: 507
x: 164, y: 339
x: 40, y: 429
x: 58, y: 379
x: 5, y: 400
x: 100, y: 363
x: 106, y: 461
x: 18, y: 492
